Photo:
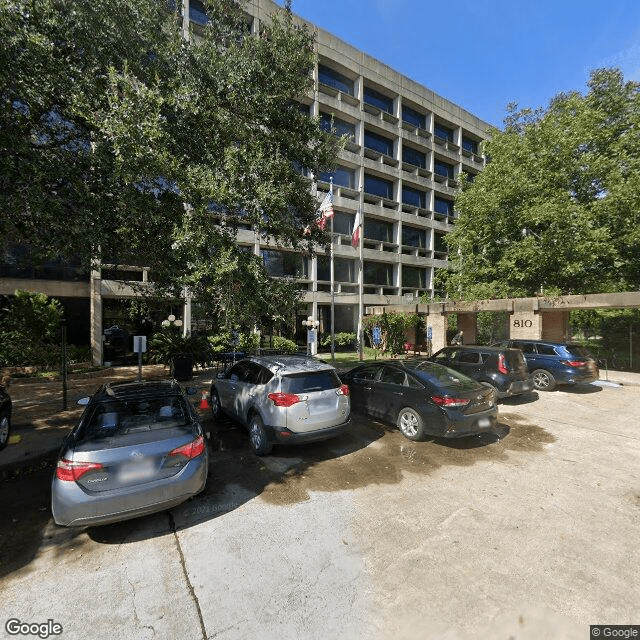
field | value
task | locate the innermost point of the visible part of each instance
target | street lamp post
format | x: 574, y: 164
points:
x: 312, y: 335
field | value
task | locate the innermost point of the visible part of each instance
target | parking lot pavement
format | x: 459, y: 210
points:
x: 528, y: 534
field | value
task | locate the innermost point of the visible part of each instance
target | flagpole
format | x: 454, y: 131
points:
x: 361, y: 284
x: 333, y: 333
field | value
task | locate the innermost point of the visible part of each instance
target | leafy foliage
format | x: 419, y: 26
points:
x: 392, y: 328
x: 124, y: 141
x: 342, y: 340
x: 284, y: 344
x: 557, y: 208
x: 34, y: 316
x: 169, y: 343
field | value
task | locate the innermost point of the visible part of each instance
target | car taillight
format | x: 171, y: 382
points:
x: 343, y: 390
x: 502, y: 364
x: 281, y: 399
x: 448, y: 401
x: 574, y: 363
x: 70, y: 471
x: 191, y: 449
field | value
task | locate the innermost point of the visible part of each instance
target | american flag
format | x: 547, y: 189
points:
x: 326, y: 209
x: 355, y: 236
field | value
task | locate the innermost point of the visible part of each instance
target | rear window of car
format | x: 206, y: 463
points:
x: 310, y: 381
x: 443, y: 377
x: 579, y: 350
x: 120, y: 418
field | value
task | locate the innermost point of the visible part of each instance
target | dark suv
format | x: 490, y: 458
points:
x: 502, y: 368
x: 553, y: 363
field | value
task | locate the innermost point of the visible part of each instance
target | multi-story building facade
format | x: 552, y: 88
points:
x: 406, y: 149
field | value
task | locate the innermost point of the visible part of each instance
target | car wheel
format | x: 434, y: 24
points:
x: 5, y: 428
x: 258, y: 436
x: 216, y: 407
x: 543, y: 380
x: 410, y: 424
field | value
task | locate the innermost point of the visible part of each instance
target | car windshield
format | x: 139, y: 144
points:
x: 310, y: 381
x: 442, y: 376
x: 117, y: 417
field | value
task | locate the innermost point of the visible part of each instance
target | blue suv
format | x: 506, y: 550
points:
x: 554, y: 363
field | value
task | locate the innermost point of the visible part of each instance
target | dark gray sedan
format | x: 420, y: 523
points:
x: 139, y: 448
x: 422, y: 398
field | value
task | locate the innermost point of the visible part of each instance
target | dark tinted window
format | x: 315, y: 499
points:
x: 469, y: 356
x: 238, y: 372
x: 392, y: 376
x: 378, y: 143
x: 413, y: 117
x: 525, y: 347
x: 342, y: 177
x: 442, y: 377
x: 546, y: 350
x: 340, y: 127
x: 378, y: 186
x: 469, y: 145
x: 414, y: 197
x: 334, y: 79
x: 310, y: 381
x: 367, y: 374
x: 445, y: 354
x: 414, y: 157
x: 149, y: 414
x: 443, y: 132
x: 413, y: 383
x: 377, y: 99
x: 443, y: 206
x: 443, y: 168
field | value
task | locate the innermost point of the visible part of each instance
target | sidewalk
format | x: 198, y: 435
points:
x: 40, y: 424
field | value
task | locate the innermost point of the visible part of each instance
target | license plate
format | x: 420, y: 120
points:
x: 484, y: 422
x: 136, y: 471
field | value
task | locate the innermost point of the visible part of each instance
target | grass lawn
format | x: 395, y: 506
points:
x: 350, y: 359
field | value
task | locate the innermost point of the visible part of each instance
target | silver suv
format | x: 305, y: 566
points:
x: 286, y: 399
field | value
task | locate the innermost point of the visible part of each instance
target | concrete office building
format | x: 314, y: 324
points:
x: 407, y: 146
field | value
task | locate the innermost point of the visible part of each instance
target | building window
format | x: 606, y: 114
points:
x: 470, y: 145
x: 378, y: 143
x: 413, y: 237
x: 443, y: 169
x: 414, y: 277
x: 340, y: 127
x: 440, y: 205
x: 280, y: 264
x: 334, y: 79
x: 439, y: 245
x: 377, y: 99
x: 378, y: 273
x: 342, y: 177
x: 378, y: 186
x: 443, y: 132
x: 414, y: 157
x: 414, y: 197
x: 413, y: 117
x: 198, y: 12
x: 344, y: 270
x: 378, y: 230
x: 343, y: 223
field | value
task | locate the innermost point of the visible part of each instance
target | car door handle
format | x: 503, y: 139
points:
x: 367, y: 388
x: 398, y: 393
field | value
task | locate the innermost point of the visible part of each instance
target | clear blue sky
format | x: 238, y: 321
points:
x: 484, y: 54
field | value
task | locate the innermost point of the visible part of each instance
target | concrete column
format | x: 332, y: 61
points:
x: 468, y: 324
x: 438, y: 323
x: 525, y: 325
x: 95, y: 311
x: 186, y: 315
x: 555, y: 325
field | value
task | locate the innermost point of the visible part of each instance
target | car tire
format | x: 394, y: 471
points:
x: 5, y: 429
x: 216, y: 407
x: 258, y: 436
x: 410, y: 424
x: 543, y: 380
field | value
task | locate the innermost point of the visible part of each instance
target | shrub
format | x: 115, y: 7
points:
x: 342, y: 340
x: 284, y: 344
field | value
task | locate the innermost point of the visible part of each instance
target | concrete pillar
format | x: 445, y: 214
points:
x: 438, y: 323
x: 468, y: 324
x: 525, y: 325
x: 555, y: 325
x: 95, y: 312
x: 186, y: 315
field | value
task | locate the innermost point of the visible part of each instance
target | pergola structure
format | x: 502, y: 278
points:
x: 538, y: 318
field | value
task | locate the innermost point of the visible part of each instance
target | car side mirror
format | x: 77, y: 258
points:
x: 191, y: 391
x: 220, y: 376
x: 83, y: 402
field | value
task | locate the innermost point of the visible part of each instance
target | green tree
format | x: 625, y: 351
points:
x: 34, y: 316
x: 557, y: 208
x: 124, y: 141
